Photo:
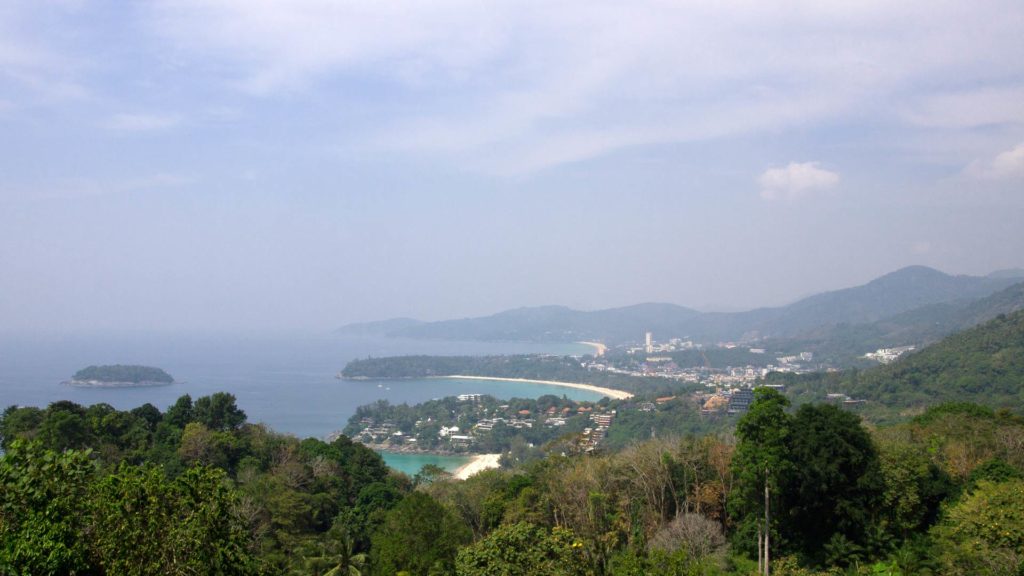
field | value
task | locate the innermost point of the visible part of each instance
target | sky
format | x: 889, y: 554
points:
x: 258, y: 165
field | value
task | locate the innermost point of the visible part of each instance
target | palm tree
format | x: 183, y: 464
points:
x: 348, y: 564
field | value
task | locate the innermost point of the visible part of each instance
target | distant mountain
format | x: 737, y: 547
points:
x: 1008, y: 273
x: 558, y: 323
x: 895, y: 293
x: 381, y: 328
x: 900, y: 291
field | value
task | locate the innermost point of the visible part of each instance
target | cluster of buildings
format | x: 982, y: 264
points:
x: 470, y: 426
x: 887, y: 355
x: 652, y: 347
x: 385, y: 432
x: 654, y: 359
x: 592, y: 436
x: 843, y: 400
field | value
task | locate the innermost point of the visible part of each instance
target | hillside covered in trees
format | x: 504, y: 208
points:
x: 197, y: 489
x: 984, y: 364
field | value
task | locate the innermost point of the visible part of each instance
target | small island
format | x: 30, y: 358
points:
x: 120, y: 376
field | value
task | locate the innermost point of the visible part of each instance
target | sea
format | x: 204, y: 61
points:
x: 288, y: 383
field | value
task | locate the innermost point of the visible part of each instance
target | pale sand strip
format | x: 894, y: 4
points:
x: 599, y: 349
x: 609, y: 392
x: 479, y: 463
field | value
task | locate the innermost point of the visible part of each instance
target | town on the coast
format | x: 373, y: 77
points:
x: 674, y: 376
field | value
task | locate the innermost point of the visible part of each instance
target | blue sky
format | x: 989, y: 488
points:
x: 251, y: 165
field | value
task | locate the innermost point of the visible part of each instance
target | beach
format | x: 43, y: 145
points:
x: 609, y: 392
x: 599, y: 349
x: 479, y: 463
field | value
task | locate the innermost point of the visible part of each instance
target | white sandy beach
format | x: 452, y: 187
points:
x: 599, y: 349
x: 609, y: 392
x: 479, y: 463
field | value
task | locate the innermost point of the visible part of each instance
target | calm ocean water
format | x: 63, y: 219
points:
x: 287, y: 383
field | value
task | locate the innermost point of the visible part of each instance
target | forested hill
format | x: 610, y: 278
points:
x: 901, y: 291
x: 840, y: 345
x: 984, y: 364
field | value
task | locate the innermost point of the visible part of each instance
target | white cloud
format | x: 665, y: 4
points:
x: 795, y: 181
x: 140, y: 122
x: 1006, y: 165
x: 515, y: 87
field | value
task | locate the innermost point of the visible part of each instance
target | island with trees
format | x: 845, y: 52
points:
x: 120, y: 376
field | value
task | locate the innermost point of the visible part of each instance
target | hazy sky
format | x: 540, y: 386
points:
x: 297, y: 165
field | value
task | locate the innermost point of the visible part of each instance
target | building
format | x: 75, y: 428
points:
x: 740, y: 400
x: 648, y: 343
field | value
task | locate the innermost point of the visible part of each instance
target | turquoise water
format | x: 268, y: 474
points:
x: 411, y: 463
x: 288, y: 384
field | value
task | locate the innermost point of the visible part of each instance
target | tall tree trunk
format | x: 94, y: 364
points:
x: 767, y: 524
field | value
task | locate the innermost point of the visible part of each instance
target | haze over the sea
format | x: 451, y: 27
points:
x: 288, y: 384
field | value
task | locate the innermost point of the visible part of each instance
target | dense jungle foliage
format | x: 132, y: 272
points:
x: 197, y: 489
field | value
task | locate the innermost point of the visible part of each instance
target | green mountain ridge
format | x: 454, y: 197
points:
x: 983, y: 365
x: 842, y: 344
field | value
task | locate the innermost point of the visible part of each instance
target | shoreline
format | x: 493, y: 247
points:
x: 476, y: 463
x: 609, y: 392
x: 115, y: 384
x: 479, y: 463
x: 599, y: 348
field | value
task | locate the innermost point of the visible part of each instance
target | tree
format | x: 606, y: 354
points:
x: 181, y: 412
x: 984, y: 532
x: 62, y: 429
x: 914, y: 489
x: 429, y: 474
x: 43, y: 496
x: 833, y: 483
x: 697, y: 536
x: 523, y: 550
x: 219, y: 412
x: 147, y: 524
x: 17, y: 423
x: 339, y: 554
x: 761, y: 458
x: 200, y: 445
x: 417, y: 536
x: 150, y: 414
